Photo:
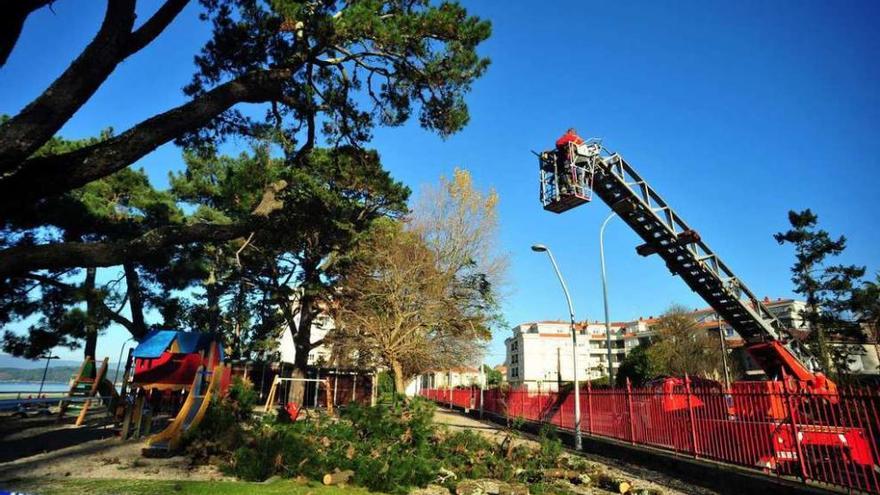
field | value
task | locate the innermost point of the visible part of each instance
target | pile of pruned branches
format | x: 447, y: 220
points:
x: 394, y: 448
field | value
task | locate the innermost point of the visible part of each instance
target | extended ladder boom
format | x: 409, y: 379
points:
x: 666, y: 234
x: 685, y: 254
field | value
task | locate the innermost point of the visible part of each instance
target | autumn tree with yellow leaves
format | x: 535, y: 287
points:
x: 423, y: 293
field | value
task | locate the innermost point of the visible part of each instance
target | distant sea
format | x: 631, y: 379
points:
x: 32, y: 387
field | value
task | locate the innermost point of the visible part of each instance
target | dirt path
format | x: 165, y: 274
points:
x: 640, y: 477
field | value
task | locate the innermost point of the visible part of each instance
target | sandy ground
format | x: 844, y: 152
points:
x: 40, y: 448
x: 638, y: 476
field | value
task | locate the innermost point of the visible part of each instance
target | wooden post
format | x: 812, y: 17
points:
x: 329, y: 401
x: 138, y: 415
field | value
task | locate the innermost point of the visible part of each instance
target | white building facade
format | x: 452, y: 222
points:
x: 539, y: 354
x: 318, y: 356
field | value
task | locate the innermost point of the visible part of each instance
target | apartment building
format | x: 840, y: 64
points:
x: 539, y: 354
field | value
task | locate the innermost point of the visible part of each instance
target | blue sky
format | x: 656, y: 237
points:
x: 734, y: 112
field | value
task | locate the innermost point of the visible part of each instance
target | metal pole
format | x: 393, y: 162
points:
x: 119, y: 361
x: 723, y: 352
x: 605, y: 297
x: 577, y: 394
x: 335, y: 382
x: 482, y: 386
x: 49, y: 358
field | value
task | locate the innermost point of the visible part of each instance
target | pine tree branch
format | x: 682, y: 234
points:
x: 12, y: 22
x: 46, y: 176
x: 23, y: 134
x: 22, y: 259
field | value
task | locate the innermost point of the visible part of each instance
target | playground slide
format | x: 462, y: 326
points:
x: 190, y: 415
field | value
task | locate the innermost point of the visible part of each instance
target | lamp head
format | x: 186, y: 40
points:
x: 539, y: 248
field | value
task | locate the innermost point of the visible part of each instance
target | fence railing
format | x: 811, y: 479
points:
x: 817, y: 438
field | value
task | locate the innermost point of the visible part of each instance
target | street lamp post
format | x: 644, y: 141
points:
x: 605, y: 297
x: 119, y: 361
x: 538, y: 248
x: 49, y: 357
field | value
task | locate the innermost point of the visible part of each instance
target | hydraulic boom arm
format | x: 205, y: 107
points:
x: 666, y: 234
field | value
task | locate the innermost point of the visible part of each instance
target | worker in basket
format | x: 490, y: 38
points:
x: 566, y: 147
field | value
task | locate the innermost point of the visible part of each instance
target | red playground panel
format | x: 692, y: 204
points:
x: 169, y: 360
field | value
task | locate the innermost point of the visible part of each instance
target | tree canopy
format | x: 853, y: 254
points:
x: 831, y: 291
x: 243, y: 245
x: 422, y: 294
x: 680, y: 347
x: 331, y: 69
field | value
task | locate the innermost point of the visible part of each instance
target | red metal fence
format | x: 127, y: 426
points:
x: 818, y: 438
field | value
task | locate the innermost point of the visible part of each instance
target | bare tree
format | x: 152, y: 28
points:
x: 423, y: 294
x: 460, y: 224
x: 391, y: 307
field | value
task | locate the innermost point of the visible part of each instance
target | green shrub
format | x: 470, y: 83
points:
x: 242, y: 397
x: 390, y: 447
x: 222, y: 429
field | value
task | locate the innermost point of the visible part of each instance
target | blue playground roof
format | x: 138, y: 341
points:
x: 157, y: 341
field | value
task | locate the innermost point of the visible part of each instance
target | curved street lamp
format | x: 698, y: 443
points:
x: 605, y: 296
x: 540, y: 248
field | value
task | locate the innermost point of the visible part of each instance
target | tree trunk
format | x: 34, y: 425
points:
x: 24, y: 133
x: 41, y: 177
x: 135, y: 301
x: 212, y: 302
x: 816, y: 324
x: 91, y: 315
x: 59, y: 256
x: 297, y: 387
x: 397, y: 369
x: 302, y: 342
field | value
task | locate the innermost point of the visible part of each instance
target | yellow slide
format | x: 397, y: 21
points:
x: 190, y: 415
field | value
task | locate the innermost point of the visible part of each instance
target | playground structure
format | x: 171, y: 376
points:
x: 199, y: 396
x: 168, y: 364
x: 291, y: 408
x: 88, y: 383
x: 799, y: 405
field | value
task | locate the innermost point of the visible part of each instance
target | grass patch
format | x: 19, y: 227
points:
x: 170, y: 487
